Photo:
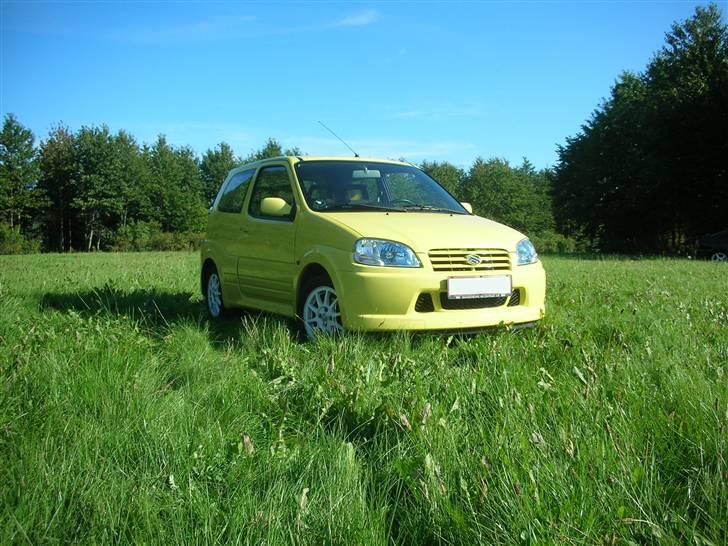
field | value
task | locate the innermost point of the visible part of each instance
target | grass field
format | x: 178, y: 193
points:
x: 125, y: 416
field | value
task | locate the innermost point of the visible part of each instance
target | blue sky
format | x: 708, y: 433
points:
x: 421, y: 80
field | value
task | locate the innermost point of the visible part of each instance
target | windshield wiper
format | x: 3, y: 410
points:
x: 430, y: 208
x: 360, y: 206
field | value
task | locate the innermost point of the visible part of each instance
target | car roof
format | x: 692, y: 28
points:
x: 294, y: 159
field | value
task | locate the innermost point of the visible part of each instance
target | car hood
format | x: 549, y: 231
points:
x: 423, y: 231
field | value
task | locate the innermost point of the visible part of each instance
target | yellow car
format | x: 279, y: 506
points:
x: 363, y: 244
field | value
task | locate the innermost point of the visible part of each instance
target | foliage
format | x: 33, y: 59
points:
x: 448, y: 175
x: 12, y: 241
x: 648, y: 171
x: 175, y: 193
x: 214, y: 168
x: 19, y: 195
x: 272, y: 148
x: 57, y: 164
x: 138, y: 236
x: 127, y: 417
x: 551, y: 242
x: 518, y: 197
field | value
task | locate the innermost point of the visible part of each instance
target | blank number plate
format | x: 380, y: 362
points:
x: 459, y: 288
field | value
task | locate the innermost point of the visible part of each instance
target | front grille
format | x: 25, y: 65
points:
x: 480, y: 303
x: 424, y: 304
x: 471, y: 303
x: 456, y: 259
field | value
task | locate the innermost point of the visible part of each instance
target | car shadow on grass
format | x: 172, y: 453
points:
x: 154, y: 312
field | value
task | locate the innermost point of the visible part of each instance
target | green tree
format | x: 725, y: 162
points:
x: 448, y: 175
x: 214, y: 167
x: 19, y: 194
x: 519, y: 197
x: 175, y: 188
x: 58, y: 173
x: 648, y: 170
x: 271, y: 148
x: 101, y: 183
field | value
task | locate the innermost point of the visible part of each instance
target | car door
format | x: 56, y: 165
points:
x: 266, y: 265
x: 225, y: 229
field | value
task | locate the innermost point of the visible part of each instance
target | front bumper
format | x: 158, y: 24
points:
x: 378, y: 298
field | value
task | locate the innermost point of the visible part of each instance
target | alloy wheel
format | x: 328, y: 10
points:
x: 321, y: 312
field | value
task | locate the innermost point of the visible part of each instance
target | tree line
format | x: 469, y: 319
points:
x: 96, y: 190
x: 647, y: 173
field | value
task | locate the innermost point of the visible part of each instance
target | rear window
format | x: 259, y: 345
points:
x: 233, y: 194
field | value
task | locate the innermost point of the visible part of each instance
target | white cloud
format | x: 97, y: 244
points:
x: 438, y: 111
x: 358, y: 19
x: 214, y: 28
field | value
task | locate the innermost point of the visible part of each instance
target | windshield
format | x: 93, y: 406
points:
x: 368, y: 186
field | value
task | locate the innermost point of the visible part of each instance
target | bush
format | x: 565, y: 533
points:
x: 140, y: 236
x: 550, y: 242
x: 14, y: 242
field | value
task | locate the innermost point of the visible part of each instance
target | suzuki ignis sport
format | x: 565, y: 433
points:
x: 363, y: 244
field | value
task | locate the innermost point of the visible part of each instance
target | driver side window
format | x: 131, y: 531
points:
x: 272, y: 182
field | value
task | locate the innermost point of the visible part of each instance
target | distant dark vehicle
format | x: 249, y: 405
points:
x: 713, y: 246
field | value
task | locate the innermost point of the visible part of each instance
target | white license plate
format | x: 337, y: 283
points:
x: 478, y: 287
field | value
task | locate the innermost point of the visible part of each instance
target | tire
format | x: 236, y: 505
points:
x: 719, y: 256
x: 320, y: 313
x: 212, y: 290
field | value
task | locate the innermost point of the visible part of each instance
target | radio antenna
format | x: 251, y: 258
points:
x: 341, y: 139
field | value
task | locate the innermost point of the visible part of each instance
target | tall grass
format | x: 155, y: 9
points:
x: 126, y: 416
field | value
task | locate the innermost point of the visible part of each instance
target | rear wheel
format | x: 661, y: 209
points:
x: 719, y: 256
x: 320, y: 312
x: 213, y: 292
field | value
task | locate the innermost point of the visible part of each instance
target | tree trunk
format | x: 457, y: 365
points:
x: 61, y: 232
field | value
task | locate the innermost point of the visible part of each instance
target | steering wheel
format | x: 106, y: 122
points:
x: 403, y: 202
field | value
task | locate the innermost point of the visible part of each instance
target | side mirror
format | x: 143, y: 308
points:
x: 468, y: 207
x: 274, y: 206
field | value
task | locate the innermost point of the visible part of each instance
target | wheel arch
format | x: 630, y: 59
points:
x: 207, y: 267
x: 310, y: 271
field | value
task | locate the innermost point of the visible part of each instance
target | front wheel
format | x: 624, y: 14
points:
x: 320, y: 313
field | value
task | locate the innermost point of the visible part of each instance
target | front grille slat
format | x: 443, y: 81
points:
x: 480, y: 303
x: 456, y: 259
x: 472, y: 303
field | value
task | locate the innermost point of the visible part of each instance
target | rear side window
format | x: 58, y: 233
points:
x: 271, y: 182
x: 233, y: 194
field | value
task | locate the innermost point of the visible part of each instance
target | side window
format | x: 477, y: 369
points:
x: 271, y: 182
x: 234, y: 192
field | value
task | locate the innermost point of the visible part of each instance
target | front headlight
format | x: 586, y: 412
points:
x: 385, y: 253
x: 526, y: 252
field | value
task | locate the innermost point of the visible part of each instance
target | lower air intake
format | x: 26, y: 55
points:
x: 424, y: 304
